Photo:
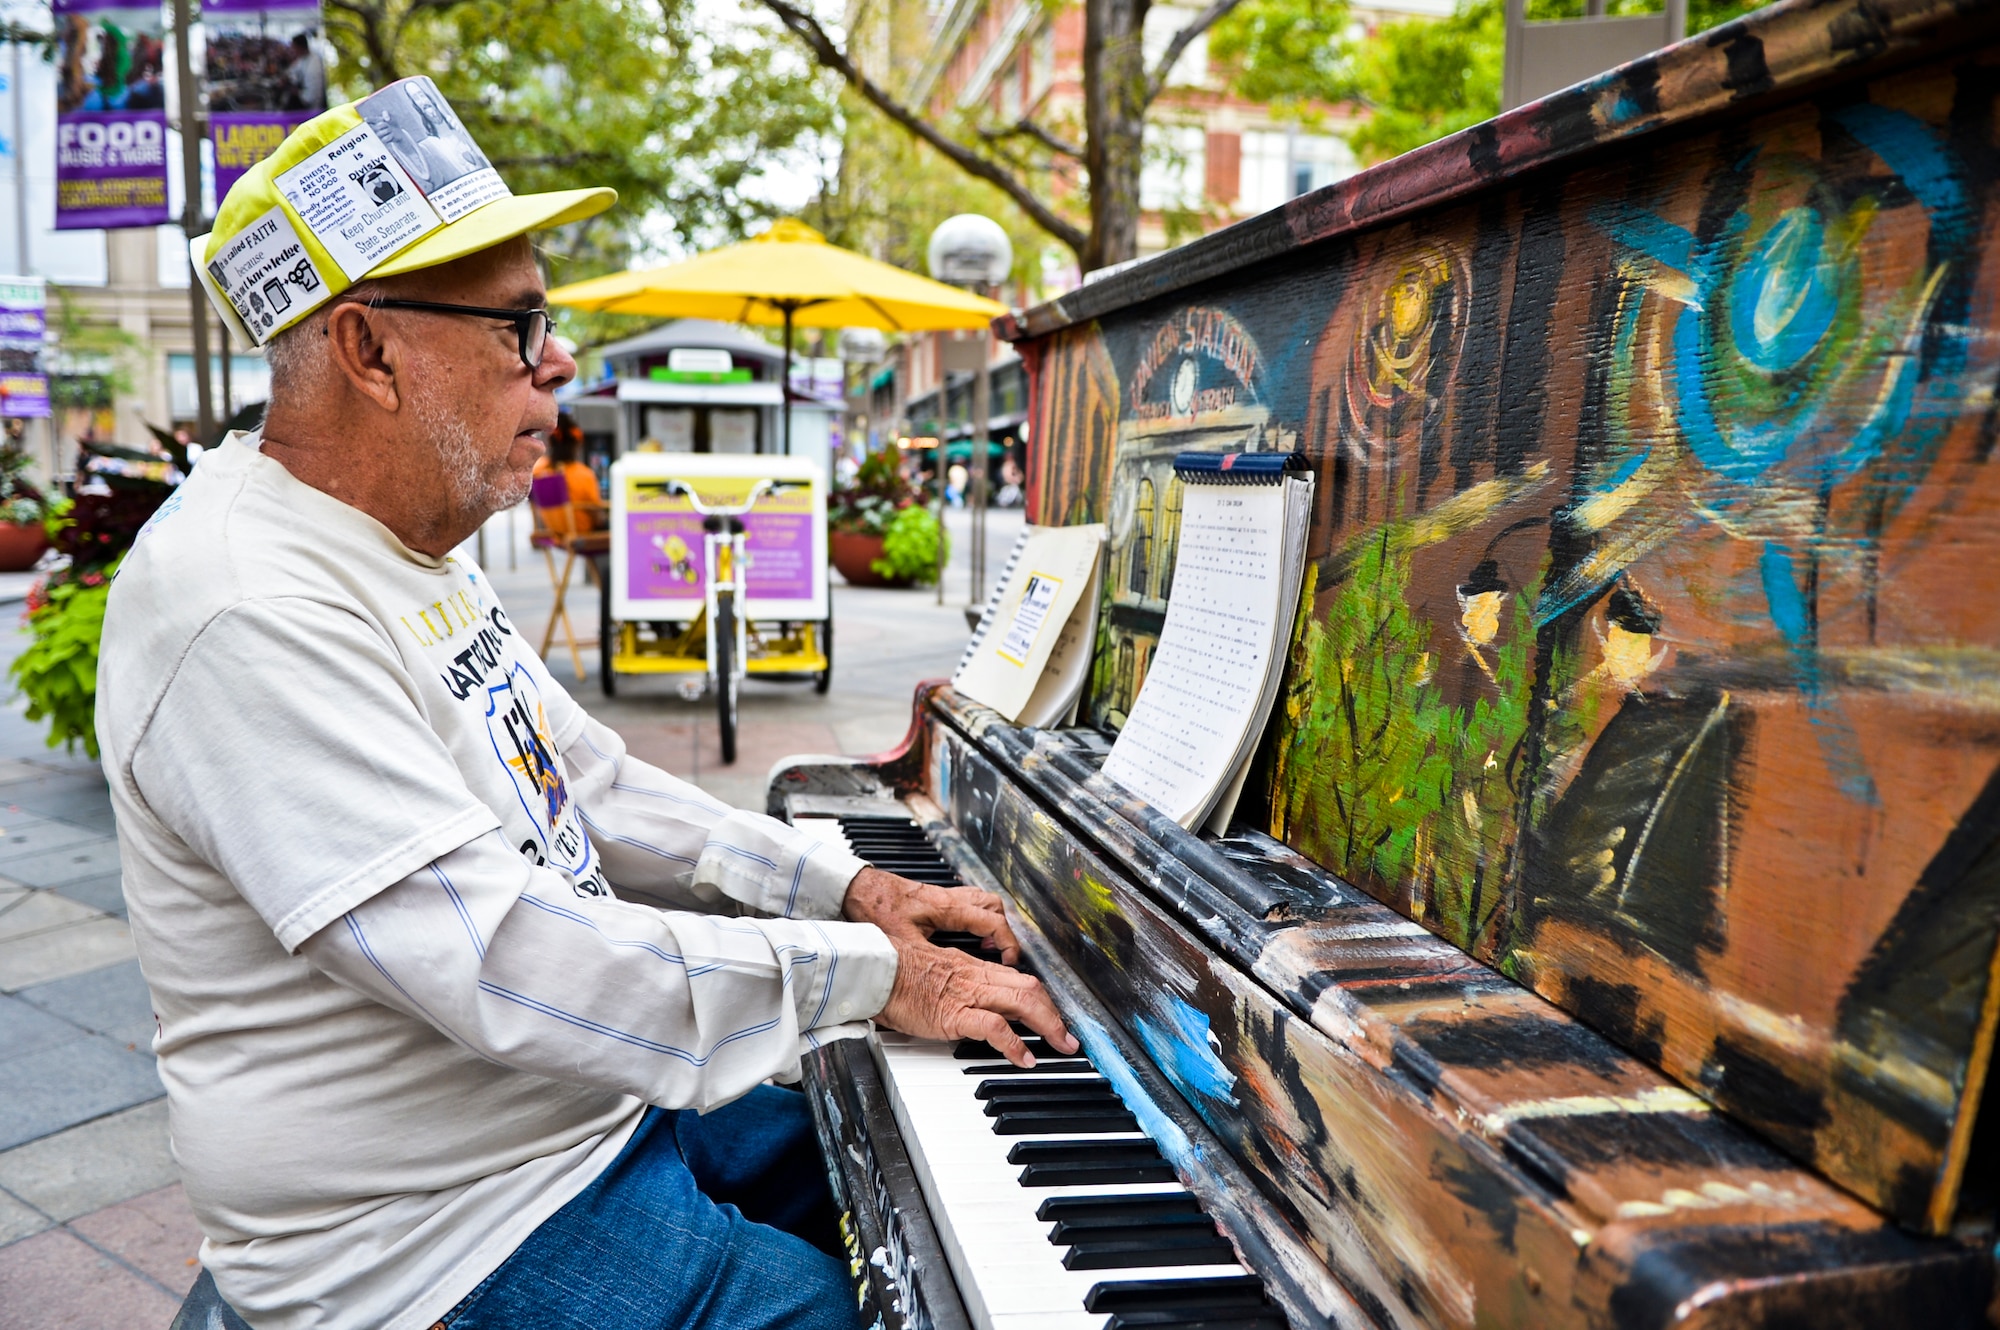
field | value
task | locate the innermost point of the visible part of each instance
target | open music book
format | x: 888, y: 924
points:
x: 1030, y: 655
x: 1186, y: 746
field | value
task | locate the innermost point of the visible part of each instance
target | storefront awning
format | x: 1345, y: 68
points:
x: 700, y: 394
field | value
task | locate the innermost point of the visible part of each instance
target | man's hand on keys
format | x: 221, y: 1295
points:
x: 940, y: 992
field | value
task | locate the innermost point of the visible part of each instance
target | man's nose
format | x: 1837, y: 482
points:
x: 557, y: 368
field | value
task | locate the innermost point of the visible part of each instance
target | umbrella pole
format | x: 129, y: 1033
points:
x: 787, y: 387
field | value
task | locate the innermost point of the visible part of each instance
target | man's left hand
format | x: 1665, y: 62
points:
x: 902, y: 908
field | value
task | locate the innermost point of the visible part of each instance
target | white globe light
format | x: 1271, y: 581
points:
x: 970, y: 248
x: 862, y: 346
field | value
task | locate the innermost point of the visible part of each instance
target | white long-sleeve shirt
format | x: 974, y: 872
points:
x: 488, y: 947
x: 370, y: 848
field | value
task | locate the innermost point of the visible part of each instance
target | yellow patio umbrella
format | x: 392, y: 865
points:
x: 788, y: 276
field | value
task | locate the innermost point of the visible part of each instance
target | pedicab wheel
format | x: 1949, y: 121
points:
x: 607, y: 635
x: 823, y: 680
x: 725, y: 672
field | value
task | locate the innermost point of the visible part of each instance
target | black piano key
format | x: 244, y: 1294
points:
x: 1081, y: 1103
x: 1229, y: 1292
x: 1066, y: 1152
x: 1065, y: 1231
x: 1209, y: 1248
x: 1199, y: 1320
x: 1063, y: 1209
x: 1030, y: 1090
x: 970, y: 943
x: 971, y: 1049
x: 1045, y: 1122
x: 1104, y: 1174
x: 1052, y: 1094
x: 1056, y: 1067
x: 1072, y: 1163
x: 933, y: 871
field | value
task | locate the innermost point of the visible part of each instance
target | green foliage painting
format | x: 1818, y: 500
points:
x: 1385, y: 778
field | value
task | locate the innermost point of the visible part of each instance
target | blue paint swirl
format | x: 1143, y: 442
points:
x: 1180, y: 1044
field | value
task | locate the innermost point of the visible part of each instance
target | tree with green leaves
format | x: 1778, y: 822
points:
x: 1050, y: 173
x: 1418, y: 79
x: 682, y: 114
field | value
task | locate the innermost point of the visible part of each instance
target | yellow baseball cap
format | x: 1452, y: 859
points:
x: 389, y: 184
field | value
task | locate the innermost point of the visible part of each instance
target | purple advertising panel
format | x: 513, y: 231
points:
x: 24, y: 387
x: 111, y: 118
x: 263, y: 73
x: 664, y: 550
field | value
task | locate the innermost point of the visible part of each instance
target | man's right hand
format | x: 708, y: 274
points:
x: 941, y: 993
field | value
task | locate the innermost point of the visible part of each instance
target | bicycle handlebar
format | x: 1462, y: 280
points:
x: 757, y: 491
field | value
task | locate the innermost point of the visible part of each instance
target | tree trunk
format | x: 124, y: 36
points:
x: 1114, y: 109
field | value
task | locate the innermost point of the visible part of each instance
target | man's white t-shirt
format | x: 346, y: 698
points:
x: 297, y: 713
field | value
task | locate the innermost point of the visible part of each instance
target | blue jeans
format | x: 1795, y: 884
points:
x: 722, y: 1222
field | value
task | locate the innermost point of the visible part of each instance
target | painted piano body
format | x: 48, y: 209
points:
x: 1394, y: 1134
x: 1611, y: 935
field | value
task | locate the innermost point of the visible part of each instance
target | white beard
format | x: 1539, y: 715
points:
x: 473, y: 488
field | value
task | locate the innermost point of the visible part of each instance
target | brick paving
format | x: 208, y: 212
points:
x: 95, y: 1233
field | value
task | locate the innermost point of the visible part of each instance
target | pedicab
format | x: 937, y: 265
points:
x: 718, y: 572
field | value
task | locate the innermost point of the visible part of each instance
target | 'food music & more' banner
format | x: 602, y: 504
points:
x: 111, y: 116
x: 264, y: 73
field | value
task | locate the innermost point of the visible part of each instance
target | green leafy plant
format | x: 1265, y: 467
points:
x: 910, y: 547
x: 20, y: 502
x: 120, y: 490
x: 1417, y: 78
x: 58, y: 672
x: 879, y: 494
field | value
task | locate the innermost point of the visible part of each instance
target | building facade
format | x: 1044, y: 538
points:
x: 1211, y: 157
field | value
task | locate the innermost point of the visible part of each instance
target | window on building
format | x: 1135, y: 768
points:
x: 1162, y: 22
x: 1279, y: 165
x: 1042, y: 72
x: 1318, y: 160
x: 1172, y: 175
x: 1170, y: 537
x: 1140, y: 579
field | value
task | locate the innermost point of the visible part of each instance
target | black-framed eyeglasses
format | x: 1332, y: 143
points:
x: 531, y: 326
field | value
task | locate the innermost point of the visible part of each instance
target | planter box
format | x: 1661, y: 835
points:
x: 852, y: 553
x: 21, y: 545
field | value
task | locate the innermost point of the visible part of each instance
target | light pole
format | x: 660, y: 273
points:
x: 191, y: 214
x: 973, y: 251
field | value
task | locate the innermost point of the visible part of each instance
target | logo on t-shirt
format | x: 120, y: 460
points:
x: 518, y: 726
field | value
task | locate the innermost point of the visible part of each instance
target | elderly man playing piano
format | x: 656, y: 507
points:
x: 466, y: 1016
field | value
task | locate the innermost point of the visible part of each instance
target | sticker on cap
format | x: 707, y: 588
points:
x: 268, y: 276
x: 358, y: 202
x: 431, y: 144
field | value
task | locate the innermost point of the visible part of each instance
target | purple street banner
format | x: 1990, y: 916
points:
x: 263, y: 74
x: 111, y: 118
x: 24, y: 323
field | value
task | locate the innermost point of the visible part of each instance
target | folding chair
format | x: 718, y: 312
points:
x: 549, y: 494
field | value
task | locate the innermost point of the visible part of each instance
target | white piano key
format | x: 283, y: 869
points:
x: 826, y: 830
x: 1049, y: 1321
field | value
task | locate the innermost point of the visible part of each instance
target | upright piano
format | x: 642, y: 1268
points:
x: 1609, y: 934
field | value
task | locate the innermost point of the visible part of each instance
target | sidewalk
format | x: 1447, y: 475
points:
x: 95, y: 1233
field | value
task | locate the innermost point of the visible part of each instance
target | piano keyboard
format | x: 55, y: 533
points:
x: 893, y: 844
x: 1054, y: 1210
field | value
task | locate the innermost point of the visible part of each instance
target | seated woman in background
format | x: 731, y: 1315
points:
x: 586, y: 500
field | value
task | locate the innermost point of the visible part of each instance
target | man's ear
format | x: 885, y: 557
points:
x: 363, y: 357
